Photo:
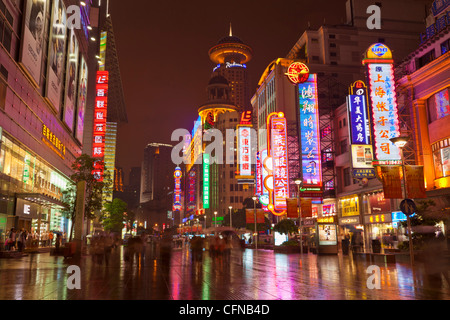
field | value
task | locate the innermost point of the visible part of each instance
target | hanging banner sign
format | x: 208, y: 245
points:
x: 292, y: 208
x: 415, y: 182
x: 392, y: 182
x: 250, y: 216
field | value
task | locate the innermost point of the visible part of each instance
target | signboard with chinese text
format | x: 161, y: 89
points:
x: 279, y: 153
x: 244, y: 147
x: 383, y: 102
x: 206, y: 182
x: 359, y: 130
x: 100, y: 114
x: 177, y: 206
x: 309, y: 131
x: 392, y: 182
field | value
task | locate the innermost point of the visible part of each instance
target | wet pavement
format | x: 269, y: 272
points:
x: 262, y: 275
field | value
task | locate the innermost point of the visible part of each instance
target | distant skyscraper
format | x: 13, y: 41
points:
x: 230, y: 55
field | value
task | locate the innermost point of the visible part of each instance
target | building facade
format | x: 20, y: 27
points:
x: 43, y: 91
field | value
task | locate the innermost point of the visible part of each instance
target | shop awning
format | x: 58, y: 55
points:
x: 42, y: 200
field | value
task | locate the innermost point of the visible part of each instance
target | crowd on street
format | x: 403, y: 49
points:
x: 19, y: 240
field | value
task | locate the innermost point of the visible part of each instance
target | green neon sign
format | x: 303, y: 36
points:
x: 206, y: 183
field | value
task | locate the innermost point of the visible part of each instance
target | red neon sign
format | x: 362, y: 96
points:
x: 100, y: 116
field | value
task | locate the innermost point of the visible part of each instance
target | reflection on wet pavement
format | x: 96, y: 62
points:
x: 262, y: 275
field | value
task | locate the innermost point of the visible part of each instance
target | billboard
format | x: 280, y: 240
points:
x: 56, y: 54
x: 177, y: 190
x: 70, y: 95
x: 81, y: 104
x: 33, y: 39
x: 309, y: 132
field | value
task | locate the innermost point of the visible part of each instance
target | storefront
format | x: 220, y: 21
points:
x: 31, y: 191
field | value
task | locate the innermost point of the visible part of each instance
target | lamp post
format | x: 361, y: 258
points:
x: 231, y: 219
x: 254, y: 214
x: 215, y: 219
x: 400, y: 142
x: 298, y: 182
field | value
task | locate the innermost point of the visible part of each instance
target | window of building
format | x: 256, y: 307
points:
x: 332, y: 45
x: 344, y: 146
x: 445, y: 46
x: 315, y: 58
x: 314, y: 40
x: 441, y: 157
x: 344, y: 122
x: 231, y: 187
x: 439, y: 105
x: 333, y: 54
x: 425, y: 59
x: 231, y: 199
x: 6, y: 23
x: 332, y: 36
x: 347, y: 177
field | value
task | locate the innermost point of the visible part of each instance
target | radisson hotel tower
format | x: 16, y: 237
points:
x: 230, y: 55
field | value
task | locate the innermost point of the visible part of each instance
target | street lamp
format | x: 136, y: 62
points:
x: 298, y: 182
x: 254, y: 214
x: 400, y: 142
x: 231, y: 220
x: 215, y: 219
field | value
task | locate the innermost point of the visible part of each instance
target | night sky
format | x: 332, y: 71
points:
x: 163, y: 55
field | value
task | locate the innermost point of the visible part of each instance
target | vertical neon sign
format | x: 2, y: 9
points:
x: 205, y: 181
x: 100, y: 115
x: 177, y: 206
x: 279, y: 154
x: 244, y: 148
x: 383, y: 101
x: 309, y: 131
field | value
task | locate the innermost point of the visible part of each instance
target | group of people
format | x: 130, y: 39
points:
x: 21, y: 239
x: 101, y: 247
x: 219, y: 247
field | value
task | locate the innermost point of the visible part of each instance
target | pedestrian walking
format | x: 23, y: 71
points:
x: 109, y: 243
x: 21, y: 240
x: 50, y: 239
x: 57, y: 242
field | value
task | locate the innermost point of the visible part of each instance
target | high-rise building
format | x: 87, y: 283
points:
x: 156, y: 196
x: 43, y: 73
x: 231, y: 55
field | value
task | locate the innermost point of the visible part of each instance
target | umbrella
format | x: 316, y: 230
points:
x: 424, y: 229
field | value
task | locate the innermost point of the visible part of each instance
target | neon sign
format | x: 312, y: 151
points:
x: 309, y: 131
x: 100, y: 115
x: 385, y: 120
x: 277, y: 141
x: 297, y: 72
x: 206, y: 181
x: 358, y: 114
x: 177, y: 191
x: 244, y: 151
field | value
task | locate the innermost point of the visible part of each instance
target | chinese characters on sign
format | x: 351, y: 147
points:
x: 278, y: 144
x: 205, y: 181
x: 245, y: 168
x: 50, y: 139
x: 177, y: 191
x: 358, y: 119
x: 100, y: 108
x: 384, y: 110
x: 309, y: 130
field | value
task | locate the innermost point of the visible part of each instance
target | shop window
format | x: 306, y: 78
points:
x: 439, y: 105
x: 441, y: 157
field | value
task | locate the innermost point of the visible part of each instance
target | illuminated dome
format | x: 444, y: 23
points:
x: 230, y: 49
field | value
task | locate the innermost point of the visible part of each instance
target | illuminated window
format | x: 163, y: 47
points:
x: 439, y: 105
x: 441, y: 157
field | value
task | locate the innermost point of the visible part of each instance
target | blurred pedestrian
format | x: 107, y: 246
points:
x: 434, y: 260
x: 227, y: 246
x: 100, y: 250
x: 166, y: 249
x: 21, y: 240
x: 107, y: 248
x: 57, y: 243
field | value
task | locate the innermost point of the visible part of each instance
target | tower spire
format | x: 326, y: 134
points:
x: 231, y: 30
